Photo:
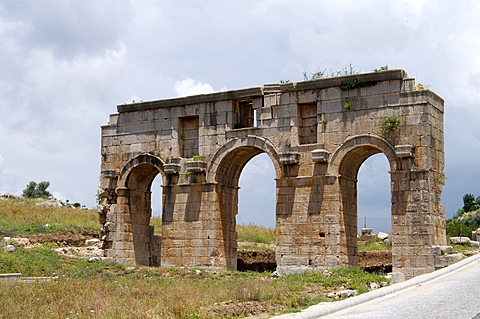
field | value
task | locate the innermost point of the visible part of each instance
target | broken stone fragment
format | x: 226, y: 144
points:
x: 382, y: 235
x: 8, y: 248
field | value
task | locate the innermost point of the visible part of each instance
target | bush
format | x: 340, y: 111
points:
x: 457, y: 227
x: 35, y: 190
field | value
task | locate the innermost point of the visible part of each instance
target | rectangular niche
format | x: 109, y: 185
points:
x: 243, y: 115
x: 308, y: 122
x: 188, y: 133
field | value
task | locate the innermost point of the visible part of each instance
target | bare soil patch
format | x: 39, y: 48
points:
x: 256, y: 260
x: 264, y: 260
x: 64, y: 238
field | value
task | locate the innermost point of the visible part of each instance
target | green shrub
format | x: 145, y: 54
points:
x: 35, y: 190
x: 391, y: 123
x: 458, y: 228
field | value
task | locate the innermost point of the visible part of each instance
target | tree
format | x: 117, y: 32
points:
x: 35, y: 190
x: 469, y: 203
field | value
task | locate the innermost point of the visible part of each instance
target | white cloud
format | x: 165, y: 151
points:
x: 189, y: 86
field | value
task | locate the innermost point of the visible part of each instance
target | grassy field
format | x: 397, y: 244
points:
x: 22, y: 217
x: 83, y: 289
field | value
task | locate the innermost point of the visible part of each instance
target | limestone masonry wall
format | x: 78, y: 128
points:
x: 316, y: 133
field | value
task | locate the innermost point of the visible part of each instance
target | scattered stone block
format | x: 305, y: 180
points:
x: 442, y: 250
x: 8, y: 248
x: 476, y: 235
x: 459, y: 240
x: 395, y: 277
x: 367, y: 231
x: 10, y: 279
x: 50, y: 203
x: 5, y: 241
x: 382, y: 235
x: 9, y: 195
x: 475, y: 244
x: 374, y: 286
x: 447, y: 260
x: 93, y: 241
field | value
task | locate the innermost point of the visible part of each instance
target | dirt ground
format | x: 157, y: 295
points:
x: 64, y: 238
x: 261, y: 260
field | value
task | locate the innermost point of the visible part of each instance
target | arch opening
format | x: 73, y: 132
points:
x: 250, y: 174
x: 145, y: 230
x: 256, y: 198
x: 350, y: 172
x: 374, y: 194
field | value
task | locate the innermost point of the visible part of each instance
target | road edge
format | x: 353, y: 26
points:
x: 326, y: 308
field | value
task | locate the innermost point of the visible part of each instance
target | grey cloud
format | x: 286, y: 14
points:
x: 69, y: 28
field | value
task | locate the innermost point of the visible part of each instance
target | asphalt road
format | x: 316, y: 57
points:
x: 455, y: 295
x: 451, y: 293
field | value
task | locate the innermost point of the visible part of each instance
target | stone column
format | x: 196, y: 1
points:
x: 415, y: 210
x: 120, y: 229
x: 198, y: 226
x: 307, y: 228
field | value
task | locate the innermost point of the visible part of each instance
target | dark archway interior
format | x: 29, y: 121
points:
x: 146, y: 244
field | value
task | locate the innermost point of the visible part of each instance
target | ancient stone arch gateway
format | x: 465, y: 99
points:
x: 316, y: 133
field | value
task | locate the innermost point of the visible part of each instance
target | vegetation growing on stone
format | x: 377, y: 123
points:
x: 391, y: 123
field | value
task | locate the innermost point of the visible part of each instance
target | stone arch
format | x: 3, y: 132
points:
x: 135, y: 183
x: 346, y: 162
x: 228, y: 162
x: 146, y: 167
x: 316, y: 145
x: 225, y: 169
x: 347, y: 159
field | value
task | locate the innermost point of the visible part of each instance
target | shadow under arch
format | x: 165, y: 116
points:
x: 224, y: 170
x: 345, y: 164
x: 136, y: 179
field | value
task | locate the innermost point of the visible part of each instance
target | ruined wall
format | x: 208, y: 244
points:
x: 317, y: 134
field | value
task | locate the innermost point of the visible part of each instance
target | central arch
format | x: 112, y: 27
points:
x: 231, y: 160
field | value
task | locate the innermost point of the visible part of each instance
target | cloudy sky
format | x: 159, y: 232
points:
x: 65, y: 65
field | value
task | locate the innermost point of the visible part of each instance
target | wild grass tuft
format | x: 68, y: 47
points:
x: 255, y: 234
x: 373, y: 244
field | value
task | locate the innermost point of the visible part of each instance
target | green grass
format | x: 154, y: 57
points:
x: 34, y: 262
x: 107, y: 290
x: 22, y: 217
x: 373, y: 244
x: 255, y: 234
x: 99, y: 289
x: 462, y: 248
